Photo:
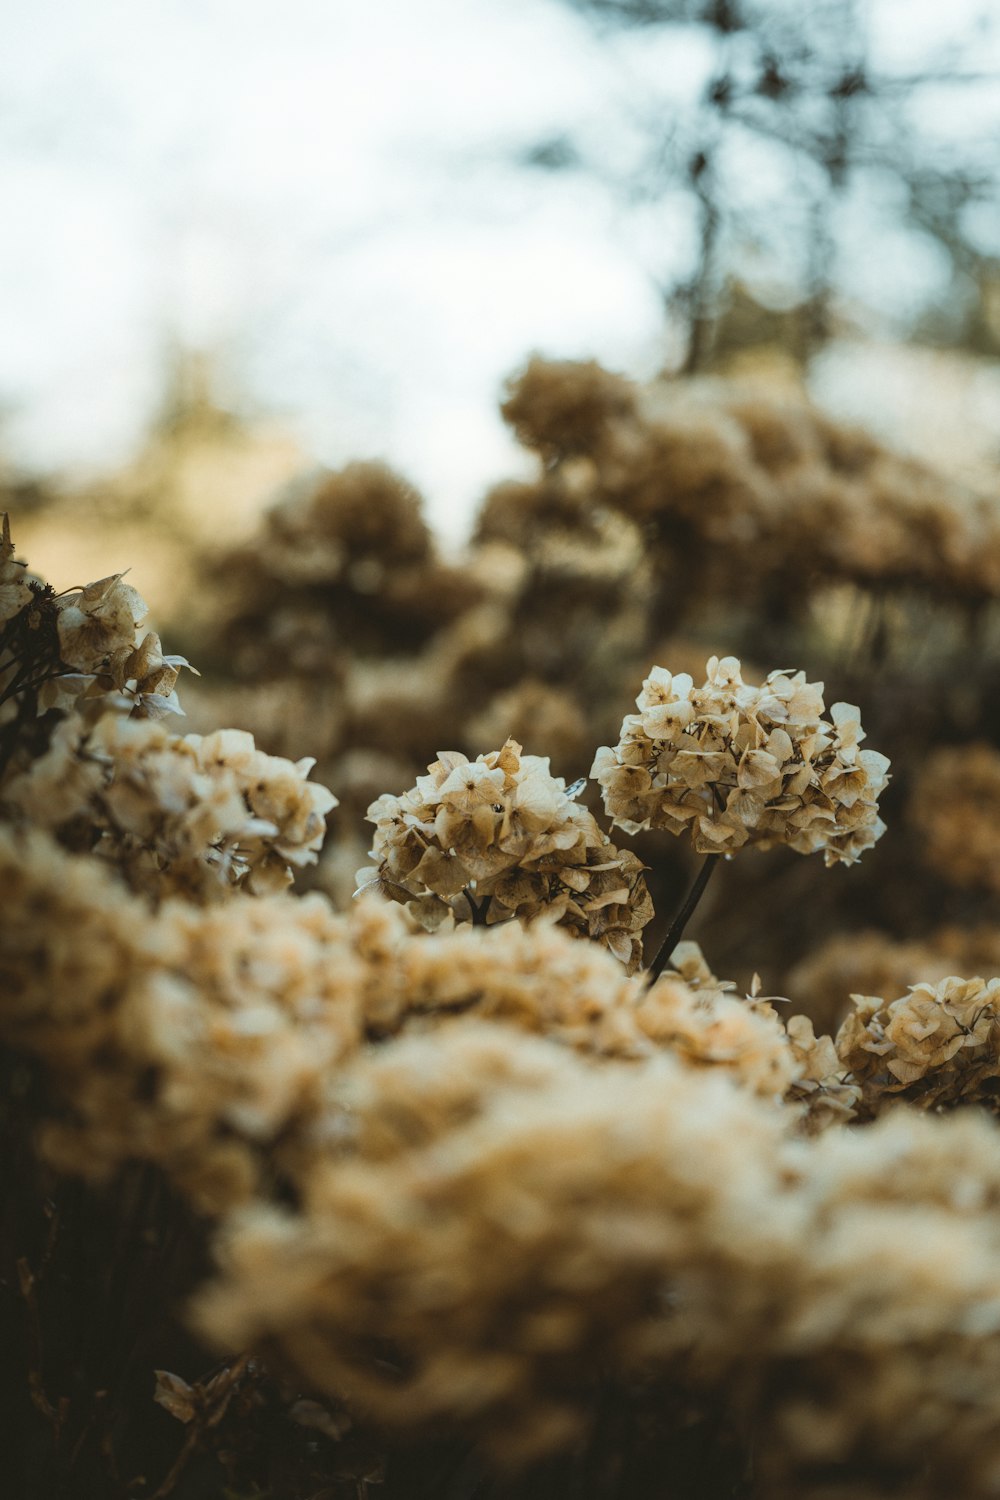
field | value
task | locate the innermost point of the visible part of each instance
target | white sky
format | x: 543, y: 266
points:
x: 321, y: 191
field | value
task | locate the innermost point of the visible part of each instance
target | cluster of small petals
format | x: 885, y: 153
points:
x: 609, y: 1217
x: 78, y: 654
x: 504, y: 828
x: 707, y: 1024
x: 15, y: 594
x: 731, y: 764
x: 746, y: 1039
x: 537, y: 980
x: 343, y: 562
x: 936, y: 1046
x: 758, y: 487
x: 98, y: 621
x: 193, y: 815
x: 828, y: 1094
x: 149, y: 676
x: 189, y: 1037
x: 561, y: 408
x: 195, y: 1036
x: 868, y: 962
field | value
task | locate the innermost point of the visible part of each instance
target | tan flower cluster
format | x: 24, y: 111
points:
x: 500, y: 837
x: 190, y: 1037
x: 748, y: 1038
x: 733, y: 764
x: 198, y: 1037
x: 869, y: 962
x: 955, y: 809
x: 193, y: 815
x: 937, y: 1046
x: 15, y: 593
x: 329, y: 523
x: 98, y: 623
x: 78, y: 652
x: 507, y: 1223
x: 537, y: 980
x: 793, y: 495
x: 344, y: 563
x: 562, y: 408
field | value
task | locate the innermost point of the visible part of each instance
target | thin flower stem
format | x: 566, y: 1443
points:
x: 682, y: 918
x: 479, y: 911
x: 18, y: 686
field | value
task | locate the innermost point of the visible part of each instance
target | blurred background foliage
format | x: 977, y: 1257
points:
x: 801, y: 155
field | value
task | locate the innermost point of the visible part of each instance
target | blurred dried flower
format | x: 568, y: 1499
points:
x: 608, y: 1219
x: 562, y: 408
x: 14, y: 590
x: 955, y: 808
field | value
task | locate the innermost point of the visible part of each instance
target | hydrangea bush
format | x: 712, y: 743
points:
x: 453, y: 1188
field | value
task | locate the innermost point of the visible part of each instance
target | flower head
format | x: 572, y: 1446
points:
x: 731, y: 764
x: 504, y: 827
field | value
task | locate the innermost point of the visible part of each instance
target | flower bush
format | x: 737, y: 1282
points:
x: 455, y: 1188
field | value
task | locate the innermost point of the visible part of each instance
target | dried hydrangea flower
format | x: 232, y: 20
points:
x: 869, y: 962
x: 649, y: 1222
x: 98, y: 620
x: 14, y: 590
x: 936, y: 1046
x: 732, y: 764
x: 148, y: 677
x: 198, y: 1036
x: 504, y: 828
x: 193, y: 814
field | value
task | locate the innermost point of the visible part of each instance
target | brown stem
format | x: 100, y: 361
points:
x: 479, y: 911
x: 682, y: 918
x: 36, y: 1384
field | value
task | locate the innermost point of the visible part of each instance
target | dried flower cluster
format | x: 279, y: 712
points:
x: 87, y: 760
x: 733, y: 764
x: 345, y: 563
x: 521, y: 1221
x: 867, y: 962
x: 713, y: 465
x: 199, y: 1037
x: 468, y: 1176
x: 936, y: 1046
x: 196, y: 815
x: 502, y: 827
x: 187, y: 1038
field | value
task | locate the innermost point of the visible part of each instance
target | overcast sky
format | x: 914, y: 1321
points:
x: 324, y: 192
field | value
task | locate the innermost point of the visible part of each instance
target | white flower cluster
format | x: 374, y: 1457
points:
x: 505, y: 829
x: 193, y: 815
x: 938, y: 1045
x: 15, y: 594
x: 733, y: 764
